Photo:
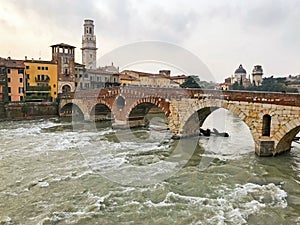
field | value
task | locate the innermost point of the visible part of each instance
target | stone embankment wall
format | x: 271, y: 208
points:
x: 32, y: 110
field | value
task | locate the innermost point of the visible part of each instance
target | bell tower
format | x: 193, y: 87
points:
x: 89, y: 49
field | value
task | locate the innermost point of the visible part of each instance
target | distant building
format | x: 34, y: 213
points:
x: 257, y: 74
x: 79, y: 75
x: 64, y: 56
x: 89, y: 49
x: 180, y: 79
x: 41, y: 80
x: 161, y: 79
x: 93, y: 77
x: 240, y: 75
x: 12, y: 79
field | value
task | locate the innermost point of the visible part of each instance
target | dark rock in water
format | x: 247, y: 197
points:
x: 206, y: 132
x: 222, y: 134
x: 176, y: 137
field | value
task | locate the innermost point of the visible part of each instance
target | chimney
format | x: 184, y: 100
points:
x: 165, y: 72
x: 25, y: 57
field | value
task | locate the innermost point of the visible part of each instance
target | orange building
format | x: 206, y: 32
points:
x: 15, y: 79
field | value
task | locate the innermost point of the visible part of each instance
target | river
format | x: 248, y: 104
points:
x: 55, y: 172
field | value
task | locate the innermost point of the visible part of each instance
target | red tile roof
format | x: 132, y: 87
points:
x: 12, y: 63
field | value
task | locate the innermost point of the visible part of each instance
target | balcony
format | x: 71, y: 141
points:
x: 46, y: 80
x: 38, y: 89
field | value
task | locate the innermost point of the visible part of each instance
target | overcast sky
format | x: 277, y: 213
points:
x: 223, y: 34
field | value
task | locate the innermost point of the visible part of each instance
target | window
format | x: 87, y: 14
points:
x: 8, y: 70
x: 66, y: 60
x: 54, y: 92
x: 28, y: 76
x: 8, y: 80
x: 21, y: 80
x: 54, y: 85
x: 91, y: 56
x: 27, y: 67
x: 9, y: 89
x: 20, y: 71
x: 46, y: 68
x: 266, y: 128
x: 39, y: 67
x: 21, y: 90
x: 21, y: 98
x: 43, y: 68
x: 9, y: 98
x: 66, y: 72
x: 91, y: 78
x: 86, y: 76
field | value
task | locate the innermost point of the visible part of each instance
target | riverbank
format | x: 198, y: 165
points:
x: 27, y: 110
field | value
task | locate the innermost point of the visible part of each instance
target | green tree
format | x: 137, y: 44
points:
x: 191, y: 82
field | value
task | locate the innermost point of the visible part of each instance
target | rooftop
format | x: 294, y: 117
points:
x: 11, y: 63
x: 63, y: 45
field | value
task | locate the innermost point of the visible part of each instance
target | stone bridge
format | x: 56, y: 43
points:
x: 273, y: 118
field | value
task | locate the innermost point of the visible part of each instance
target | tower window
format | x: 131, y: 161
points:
x: 90, y: 30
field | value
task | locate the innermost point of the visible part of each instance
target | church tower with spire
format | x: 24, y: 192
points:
x: 89, y: 49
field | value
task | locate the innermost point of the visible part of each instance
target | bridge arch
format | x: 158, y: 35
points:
x: 71, y: 110
x: 101, y: 111
x: 139, y: 109
x: 201, y: 110
x: 286, y: 135
x: 158, y: 102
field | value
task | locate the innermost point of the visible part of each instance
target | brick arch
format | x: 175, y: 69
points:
x: 159, y: 102
x: 72, y: 104
x: 101, y: 102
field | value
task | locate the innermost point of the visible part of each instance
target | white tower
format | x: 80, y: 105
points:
x: 89, y: 49
x: 257, y: 74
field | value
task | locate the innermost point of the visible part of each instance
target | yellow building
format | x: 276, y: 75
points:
x: 41, y: 80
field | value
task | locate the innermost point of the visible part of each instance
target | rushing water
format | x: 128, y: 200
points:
x: 55, y: 173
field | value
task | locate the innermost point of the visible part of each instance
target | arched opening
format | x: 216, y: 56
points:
x: 71, y: 111
x: 195, y: 122
x: 285, y: 144
x: 101, y: 112
x: 120, y: 102
x: 147, y: 115
x: 240, y: 140
x: 66, y: 88
x: 266, y: 127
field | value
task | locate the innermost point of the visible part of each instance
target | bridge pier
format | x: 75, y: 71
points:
x: 120, y: 124
x: 87, y: 117
x: 264, y: 148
